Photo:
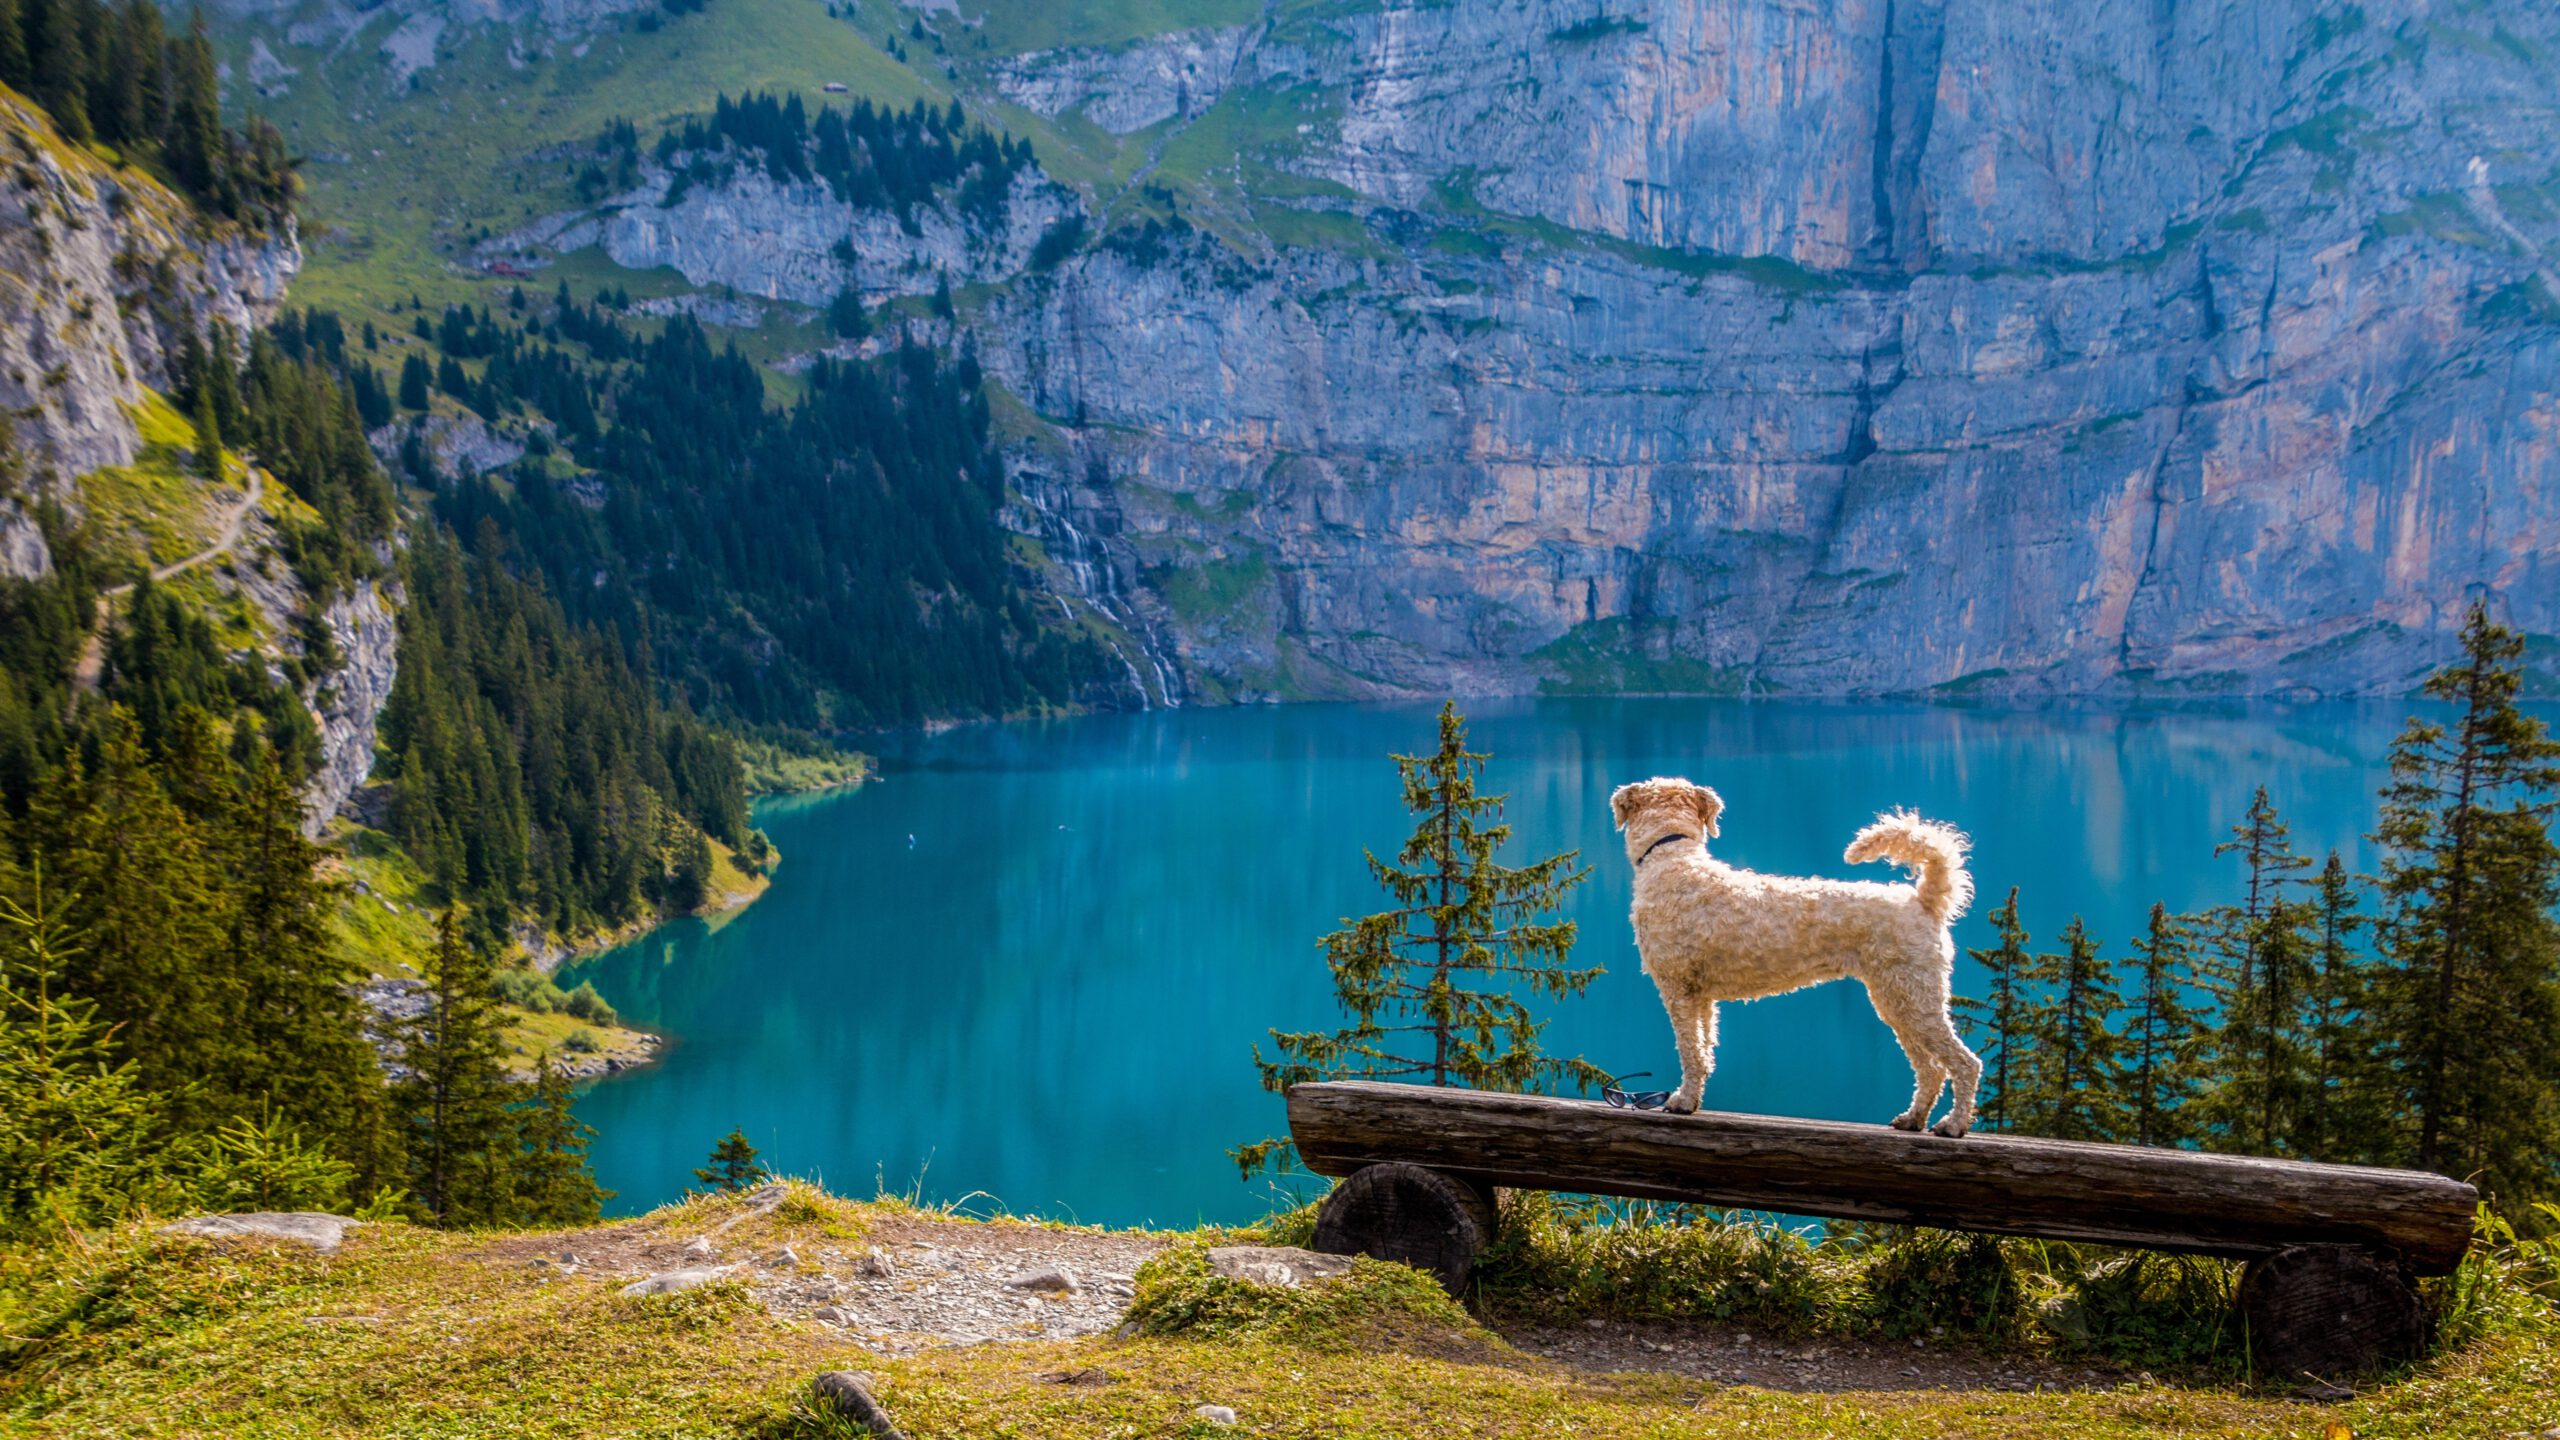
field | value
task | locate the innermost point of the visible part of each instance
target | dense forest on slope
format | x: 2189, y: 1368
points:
x: 871, y: 157
x: 113, y: 73
x: 834, y: 564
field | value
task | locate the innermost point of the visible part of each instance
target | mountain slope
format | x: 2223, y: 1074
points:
x: 1909, y: 345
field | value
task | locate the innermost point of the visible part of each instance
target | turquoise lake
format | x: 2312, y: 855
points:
x: 1031, y: 962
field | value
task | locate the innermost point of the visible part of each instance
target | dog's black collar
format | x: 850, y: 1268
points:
x: 1658, y: 844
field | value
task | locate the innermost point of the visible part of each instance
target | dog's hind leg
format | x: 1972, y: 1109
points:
x: 1937, y: 1055
x: 1910, y: 1018
x: 1965, y: 1068
x: 1693, y: 1029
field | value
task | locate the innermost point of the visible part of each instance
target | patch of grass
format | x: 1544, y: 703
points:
x: 1014, y: 26
x: 1936, y: 1281
x: 1562, y: 1258
x: 1619, y: 656
x: 1213, y: 589
x: 433, y: 1336
x: 161, y: 504
x: 389, y: 927
x: 787, y: 764
x: 1178, y: 1294
x: 405, y: 181
x: 1455, y: 194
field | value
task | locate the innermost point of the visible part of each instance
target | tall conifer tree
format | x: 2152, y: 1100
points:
x: 553, y: 1185
x: 2161, y: 1035
x: 455, y: 1100
x: 2467, y: 1001
x: 1409, y: 976
x: 2079, y: 1066
x: 1999, y: 1021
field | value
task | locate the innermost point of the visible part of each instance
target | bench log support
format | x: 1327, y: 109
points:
x: 2333, y: 1249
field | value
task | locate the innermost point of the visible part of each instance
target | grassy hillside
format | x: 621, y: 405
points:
x: 415, y: 1333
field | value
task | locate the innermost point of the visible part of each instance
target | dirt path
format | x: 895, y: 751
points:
x: 93, y: 656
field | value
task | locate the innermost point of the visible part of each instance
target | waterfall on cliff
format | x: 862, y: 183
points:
x: 1088, y: 569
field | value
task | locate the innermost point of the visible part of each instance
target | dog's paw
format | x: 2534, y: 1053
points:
x: 1680, y: 1105
x: 1906, y: 1122
x: 1949, y: 1128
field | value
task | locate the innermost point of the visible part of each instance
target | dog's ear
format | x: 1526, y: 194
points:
x: 1710, y: 805
x: 1622, y: 803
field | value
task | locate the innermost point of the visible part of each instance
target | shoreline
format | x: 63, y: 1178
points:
x: 728, y: 903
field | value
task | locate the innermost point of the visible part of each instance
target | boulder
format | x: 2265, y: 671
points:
x: 849, y: 1393
x: 1276, y: 1264
x: 669, y: 1282
x: 1053, y: 1279
x: 1215, y: 1414
x: 319, y: 1231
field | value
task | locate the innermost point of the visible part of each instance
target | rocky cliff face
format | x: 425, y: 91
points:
x: 101, y: 270
x: 349, y: 700
x: 797, y: 241
x: 1878, y: 345
x: 1864, y: 347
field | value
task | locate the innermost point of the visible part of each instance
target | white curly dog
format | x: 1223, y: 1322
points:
x: 1709, y: 932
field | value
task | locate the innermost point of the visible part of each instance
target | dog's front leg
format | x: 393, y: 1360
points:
x: 1693, y: 1028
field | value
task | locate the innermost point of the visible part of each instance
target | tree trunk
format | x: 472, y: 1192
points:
x: 1420, y: 1217
x: 2330, y: 1312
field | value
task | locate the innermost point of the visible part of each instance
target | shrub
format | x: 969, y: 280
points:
x: 1919, y: 1281
x: 587, y: 1005
x: 1558, y: 1256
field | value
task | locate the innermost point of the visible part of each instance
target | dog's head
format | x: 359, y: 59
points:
x: 1651, y: 809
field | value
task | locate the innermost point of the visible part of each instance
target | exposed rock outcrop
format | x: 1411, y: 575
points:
x: 1129, y: 89
x: 799, y: 242
x: 348, y: 701
x: 101, y: 272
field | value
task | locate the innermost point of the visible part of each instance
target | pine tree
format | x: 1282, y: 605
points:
x: 59, y: 64
x: 2466, y: 1004
x: 300, y: 1048
x: 196, y: 147
x: 222, y: 379
x: 76, y: 1144
x: 208, y: 433
x: 733, y: 1166
x: 15, y: 71
x: 553, y: 1184
x: 2162, y: 1035
x: 1998, y: 1023
x: 460, y: 1136
x: 845, y: 315
x: 2261, y: 976
x: 150, y: 910
x: 1402, y: 974
x: 414, y: 380
x: 2080, y: 1071
x: 2339, y: 1118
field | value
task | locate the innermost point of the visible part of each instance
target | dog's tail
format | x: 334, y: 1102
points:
x: 1933, y: 853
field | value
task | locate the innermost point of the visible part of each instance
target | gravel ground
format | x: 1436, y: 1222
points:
x: 911, y: 1283
x: 915, y: 1282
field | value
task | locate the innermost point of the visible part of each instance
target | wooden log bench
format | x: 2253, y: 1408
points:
x: 2332, y: 1250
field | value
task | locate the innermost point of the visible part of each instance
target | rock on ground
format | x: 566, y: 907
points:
x: 1276, y: 1264
x: 321, y: 1232
x: 669, y: 1282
